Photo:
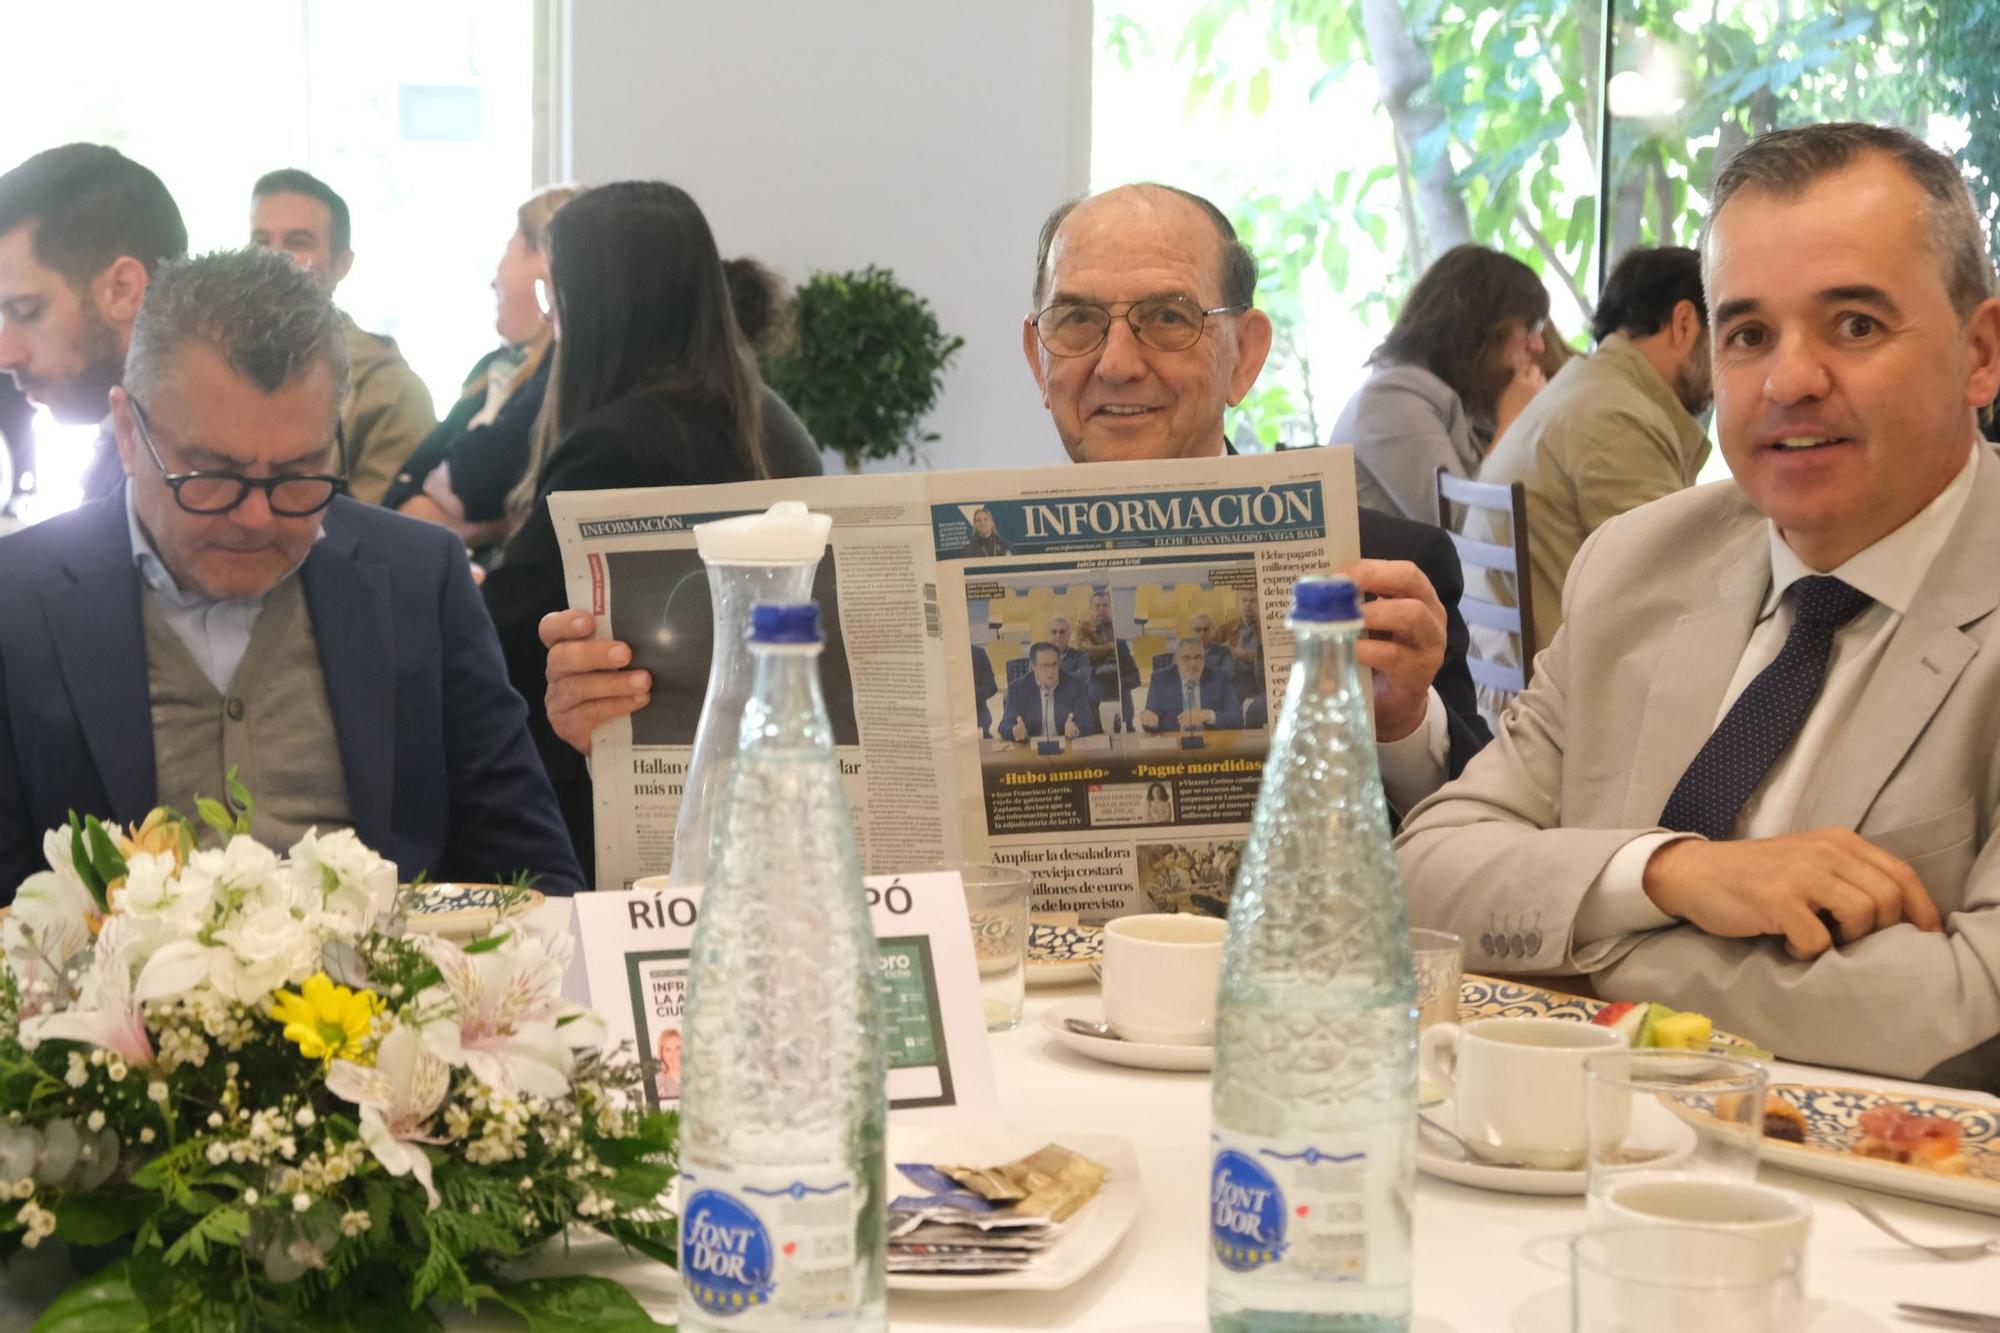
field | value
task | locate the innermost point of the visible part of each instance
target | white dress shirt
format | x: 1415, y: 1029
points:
x: 1416, y: 765
x: 1892, y: 571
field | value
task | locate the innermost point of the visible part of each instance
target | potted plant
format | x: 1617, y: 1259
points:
x: 866, y: 367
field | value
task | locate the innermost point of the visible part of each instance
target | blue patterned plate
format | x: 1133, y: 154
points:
x: 1833, y: 1128
x: 1490, y: 997
x: 1060, y: 953
x: 461, y: 911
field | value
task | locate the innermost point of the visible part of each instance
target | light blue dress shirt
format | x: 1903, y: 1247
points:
x: 216, y: 631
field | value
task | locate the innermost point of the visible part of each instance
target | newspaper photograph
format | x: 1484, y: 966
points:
x: 1068, y: 669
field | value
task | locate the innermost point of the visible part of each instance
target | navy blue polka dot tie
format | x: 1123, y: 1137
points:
x: 1767, y: 715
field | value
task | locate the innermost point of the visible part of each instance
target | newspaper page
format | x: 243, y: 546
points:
x: 1068, y: 669
x: 629, y: 557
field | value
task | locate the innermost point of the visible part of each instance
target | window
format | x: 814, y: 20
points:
x: 1347, y: 175
x: 1353, y: 140
x: 421, y: 116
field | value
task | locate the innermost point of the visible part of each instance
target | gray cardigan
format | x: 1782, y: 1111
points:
x: 1404, y: 424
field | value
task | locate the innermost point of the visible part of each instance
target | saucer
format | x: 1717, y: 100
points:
x: 1439, y: 1157
x: 1135, y: 1054
x: 1549, y: 1312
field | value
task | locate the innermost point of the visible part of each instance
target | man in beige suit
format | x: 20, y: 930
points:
x: 1757, y: 772
x: 387, y: 410
x: 1612, y: 431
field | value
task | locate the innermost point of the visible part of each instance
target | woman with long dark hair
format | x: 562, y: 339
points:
x: 651, y: 385
x: 1461, y: 362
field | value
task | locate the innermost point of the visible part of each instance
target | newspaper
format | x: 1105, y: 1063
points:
x: 1068, y: 669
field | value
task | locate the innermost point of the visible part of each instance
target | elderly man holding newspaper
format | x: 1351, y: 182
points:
x: 1122, y: 280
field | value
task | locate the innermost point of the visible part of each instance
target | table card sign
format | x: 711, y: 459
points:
x: 635, y: 950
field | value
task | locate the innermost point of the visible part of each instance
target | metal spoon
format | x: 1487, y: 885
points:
x: 1977, y: 1249
x: 1425, y: 1122
x: 1083, y: 1028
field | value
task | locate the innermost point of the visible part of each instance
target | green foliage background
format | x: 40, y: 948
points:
x: 1487, y: 99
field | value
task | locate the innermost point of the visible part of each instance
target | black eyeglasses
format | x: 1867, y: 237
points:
x: 290, y: 496
x: 1165, y: 323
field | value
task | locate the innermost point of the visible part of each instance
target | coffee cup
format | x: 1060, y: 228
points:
x: 1160, y: 974
x: 1517, y: 1085
x: 1660, y: 1198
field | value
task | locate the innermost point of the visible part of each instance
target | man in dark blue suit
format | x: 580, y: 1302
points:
x: 226, y: 609
x: 1047, y: 701
x: 1191, y: 695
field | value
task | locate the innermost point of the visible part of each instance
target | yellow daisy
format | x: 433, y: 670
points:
x: 327, y: 1021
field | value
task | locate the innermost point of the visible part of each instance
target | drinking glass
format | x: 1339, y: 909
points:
x: 996, y: 902
x: 1439, y: 958
x: 1671, y: 1114
x: 1674, y: 1279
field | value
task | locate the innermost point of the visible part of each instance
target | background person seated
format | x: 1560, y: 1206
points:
x: 387, y: 411
x: 1047, y: 701
x: 461, y: 474
x: 1191, y: 695
x: 1461, y: 362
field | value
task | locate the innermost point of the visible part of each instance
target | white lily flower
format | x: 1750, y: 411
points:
x: 107, y: 1013
x: 396, y: 1097
x: 349, y: 880
x: 506, y: 1002
x: 50, y: 924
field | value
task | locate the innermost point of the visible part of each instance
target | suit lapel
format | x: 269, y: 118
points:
x: 1694, y: 669
x: 1923, y: 660
x: 93, y: 620
x: 348, y: 597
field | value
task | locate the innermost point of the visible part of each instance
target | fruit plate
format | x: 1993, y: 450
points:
x: 1060, y: 951
x: 1832, y: 1129
x: 1490, y: 997
x: 1088, y: 1237
x: 459, y: 911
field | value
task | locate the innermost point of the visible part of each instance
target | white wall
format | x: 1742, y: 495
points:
x: 928, y: 136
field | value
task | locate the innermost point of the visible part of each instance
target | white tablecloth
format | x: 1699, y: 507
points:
x: 1473, y: 1265
x: 1473, y: 1268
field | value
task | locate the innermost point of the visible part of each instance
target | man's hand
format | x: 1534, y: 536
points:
x: 1020, y: 728
x: 1404, y: 645
x: 1780, y: 886
x: 586, y: 686
x: 1149, y: 720
x: 1070, y: 729
x: 1198, y: 717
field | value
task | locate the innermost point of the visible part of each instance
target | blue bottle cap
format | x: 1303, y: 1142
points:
x: 1325, y: 600
x: 773, y: 622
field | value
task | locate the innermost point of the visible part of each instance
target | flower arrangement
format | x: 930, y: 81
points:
x: 238, y: 1074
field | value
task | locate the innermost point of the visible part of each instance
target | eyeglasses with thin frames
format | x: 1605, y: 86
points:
x: 211, y: 493
x: 1164, y: 323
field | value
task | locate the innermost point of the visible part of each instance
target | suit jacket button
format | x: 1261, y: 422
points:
x: 234, y: 708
